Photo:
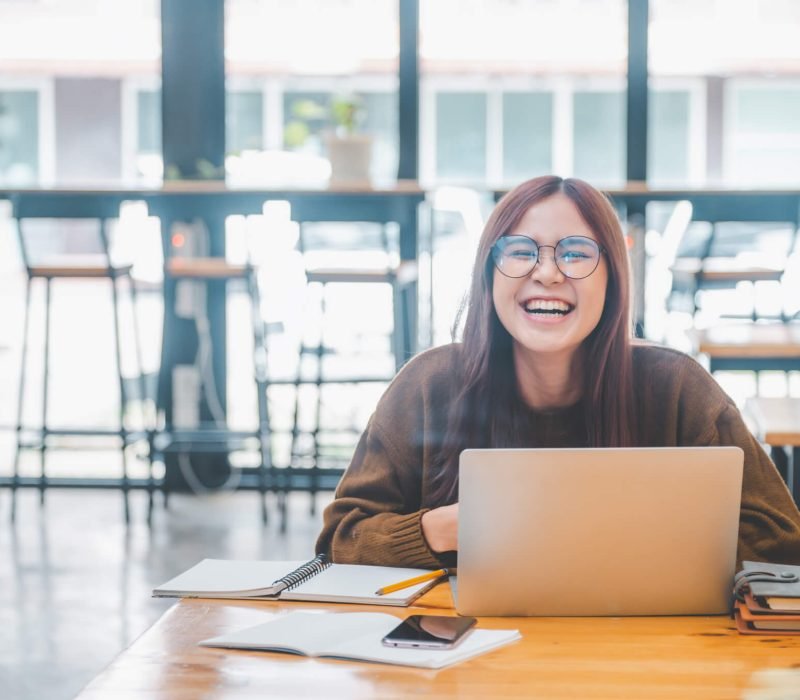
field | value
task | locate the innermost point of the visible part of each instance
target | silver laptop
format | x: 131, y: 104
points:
x: 600, y: 531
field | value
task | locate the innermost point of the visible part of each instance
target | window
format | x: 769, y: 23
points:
x: 740, y: 127
x: 80, y: 125
x: 303, y: 55
x: 512, y: 68
x: 763, y: 137
x: 527, y: 135
x: 461, y: 136
x: 669, y: 143
x: 19, y: 137
x: 599, y: 137
x: 244, y: 119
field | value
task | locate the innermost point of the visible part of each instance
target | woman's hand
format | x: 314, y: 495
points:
x: 440, y: 528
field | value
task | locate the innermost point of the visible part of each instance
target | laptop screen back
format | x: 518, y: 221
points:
x: 600, y: 531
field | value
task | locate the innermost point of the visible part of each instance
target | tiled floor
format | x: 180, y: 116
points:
x: 75, y: 582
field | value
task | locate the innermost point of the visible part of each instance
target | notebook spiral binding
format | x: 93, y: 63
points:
x: 302, y: 573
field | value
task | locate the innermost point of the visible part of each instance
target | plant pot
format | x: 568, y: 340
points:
x: 350, y: 158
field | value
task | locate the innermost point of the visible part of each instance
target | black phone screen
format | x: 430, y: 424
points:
x: 430, y: 630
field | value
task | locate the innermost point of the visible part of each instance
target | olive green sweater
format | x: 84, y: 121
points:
x: 375, y: 517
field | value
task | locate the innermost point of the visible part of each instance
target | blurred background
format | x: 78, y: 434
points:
x: 224, y: 224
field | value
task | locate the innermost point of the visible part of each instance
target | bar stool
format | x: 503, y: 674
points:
x: 215, y: 438
x: 315, y: 447
x: 70, y: 267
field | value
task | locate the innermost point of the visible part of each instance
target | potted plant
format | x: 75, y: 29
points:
x: 348, y: 149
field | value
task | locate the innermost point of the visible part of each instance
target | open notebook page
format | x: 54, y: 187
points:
x: 228, y: 578
x: 355, y: 636
x: 355, y: 583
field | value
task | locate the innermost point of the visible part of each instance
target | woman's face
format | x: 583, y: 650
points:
x: 546, y: 312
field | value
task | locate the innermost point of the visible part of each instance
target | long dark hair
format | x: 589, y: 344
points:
x: 487, y: 409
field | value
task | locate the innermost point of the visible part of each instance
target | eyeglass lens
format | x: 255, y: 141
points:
x: 575, y: 256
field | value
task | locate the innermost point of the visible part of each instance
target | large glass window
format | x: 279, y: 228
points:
x: 763, y: 135
x: 19, y: 137
x: 149, y: 162
x: 244, y: 121
x: 599, y: 136
x: 738, y: 124
x: 313, y: 67
x: 68, y: 107
x: 461, y: 136
x: 532, y: 68
x: 669, y: 145
x: 527, y: 135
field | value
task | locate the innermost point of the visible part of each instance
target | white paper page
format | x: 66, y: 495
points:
x: 370, y: 648
x: 310, y: 633
x: 358, y: 581
x: 225, y: 576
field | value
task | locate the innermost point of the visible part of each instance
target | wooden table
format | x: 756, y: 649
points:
x: 751, y: 346
x: 591, y: 658
x: 726, y: 271
x: 776, y: 422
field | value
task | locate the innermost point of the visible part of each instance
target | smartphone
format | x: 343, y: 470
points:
x: 429, y: 632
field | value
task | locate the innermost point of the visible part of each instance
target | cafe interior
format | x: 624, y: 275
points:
x: 226, y: 224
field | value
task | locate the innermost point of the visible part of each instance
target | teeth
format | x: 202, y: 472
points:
x: 547, y: 305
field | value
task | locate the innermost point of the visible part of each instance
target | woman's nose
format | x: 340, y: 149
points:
x: 546, y: 270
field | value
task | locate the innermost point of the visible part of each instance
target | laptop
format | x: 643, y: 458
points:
x: 598, y: 531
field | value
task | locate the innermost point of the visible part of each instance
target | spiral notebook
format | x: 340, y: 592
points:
x: 316, y: 580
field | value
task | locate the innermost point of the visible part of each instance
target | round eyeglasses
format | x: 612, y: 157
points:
x: 575, y: 257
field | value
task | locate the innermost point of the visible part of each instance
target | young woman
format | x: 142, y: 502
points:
x: 547, y: 360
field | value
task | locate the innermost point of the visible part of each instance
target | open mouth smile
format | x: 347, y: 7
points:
x: 547, y: 308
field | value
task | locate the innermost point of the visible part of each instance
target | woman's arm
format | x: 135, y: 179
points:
x: 376, y: 516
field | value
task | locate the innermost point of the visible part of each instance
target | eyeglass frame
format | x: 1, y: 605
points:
x: 600, y: 252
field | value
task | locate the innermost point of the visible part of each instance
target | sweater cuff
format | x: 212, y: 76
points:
x: 409, y: 543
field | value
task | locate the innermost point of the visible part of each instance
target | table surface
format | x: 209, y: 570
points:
x: 666, y: 657
x: 776, y: 420
x: 750, y: 340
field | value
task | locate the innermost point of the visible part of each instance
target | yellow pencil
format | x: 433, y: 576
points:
x: 412, y: 581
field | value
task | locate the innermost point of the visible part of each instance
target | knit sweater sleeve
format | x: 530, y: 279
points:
x: 375, y: 517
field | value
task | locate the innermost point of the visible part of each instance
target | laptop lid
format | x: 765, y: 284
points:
x: 599, y: 531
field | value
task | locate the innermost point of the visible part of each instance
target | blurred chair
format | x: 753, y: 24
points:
x: 47, y: 267
x: 174, y: 438
x: 349, y: 268
x: 720, y: 255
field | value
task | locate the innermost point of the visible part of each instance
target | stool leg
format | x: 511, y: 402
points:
x: 260, y: 369
x: 45, y: 390
x: 795, y: 479
x: 147, y: 422
x: 264, y: 444
x: 21, y: 397
x: 283, y: 497
x: 313, y: 486
x: 123, y: 398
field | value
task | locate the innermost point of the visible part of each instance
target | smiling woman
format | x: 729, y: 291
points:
x: 547, y: 359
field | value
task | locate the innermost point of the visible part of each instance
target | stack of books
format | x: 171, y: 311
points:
x: 767, y: 599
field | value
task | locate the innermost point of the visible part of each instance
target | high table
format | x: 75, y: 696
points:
x: 751, y: 346
x: 212, y: 203
x: 656, y: 657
